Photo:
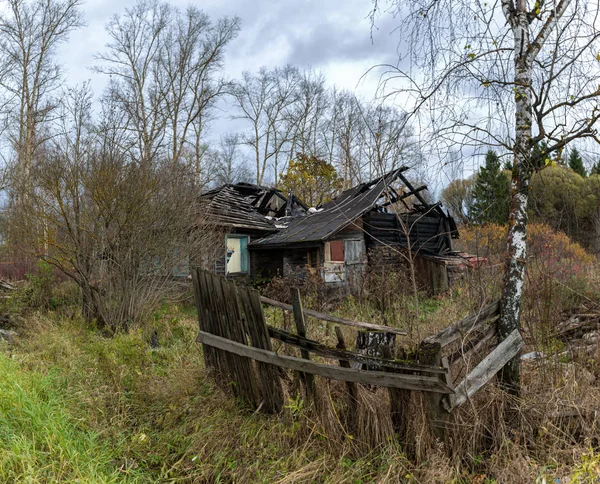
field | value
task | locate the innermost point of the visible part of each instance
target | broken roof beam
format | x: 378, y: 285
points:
x: 401, y: 198
x: 395, y: 173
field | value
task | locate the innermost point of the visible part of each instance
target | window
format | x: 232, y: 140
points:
x: 334, y: 251
x: 237, y: 257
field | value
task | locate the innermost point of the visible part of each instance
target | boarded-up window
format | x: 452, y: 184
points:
x: 336, y: 251
x: 237, y: 256
x: 353, y: 251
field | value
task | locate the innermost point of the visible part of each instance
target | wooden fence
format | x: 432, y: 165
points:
x: 237, y: 347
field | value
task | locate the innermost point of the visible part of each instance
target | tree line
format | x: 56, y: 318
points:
x: 105, y: 188
x: 562, y: 194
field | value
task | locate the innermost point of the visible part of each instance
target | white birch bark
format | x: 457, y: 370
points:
x: 526, y: 51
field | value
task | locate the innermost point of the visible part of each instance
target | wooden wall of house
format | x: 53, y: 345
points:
x: 355, y: 257
x: 426, y: 233
x: 386, y: 244
x: 266, y: 263
x: 270, y: 264
x: 295, y: 261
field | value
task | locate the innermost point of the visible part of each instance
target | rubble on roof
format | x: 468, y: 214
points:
x: 244, y: 205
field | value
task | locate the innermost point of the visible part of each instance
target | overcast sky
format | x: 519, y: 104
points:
x: 331, y: 36
x: 328, y: 35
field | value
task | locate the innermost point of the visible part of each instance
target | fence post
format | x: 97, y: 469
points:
x: 381, y: 344
x: 431, y: 354
x: 352, y: 388
x: 308, y: 379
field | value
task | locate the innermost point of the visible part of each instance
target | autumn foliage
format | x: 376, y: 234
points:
x: 311, y: 179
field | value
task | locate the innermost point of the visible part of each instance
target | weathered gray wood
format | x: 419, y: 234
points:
x: 400, y: 401
x: 231, y: 326
x: 431, y: 354
x: 410, y: 382
x: 307, y: 378
x: 270, y: 383
x: 456, y: 331
x: 333, y: 319
x: 488, y: 367
x: 473, y: 346
x: 350, y: 386
x: 346, y: 355
x: 378, y: 344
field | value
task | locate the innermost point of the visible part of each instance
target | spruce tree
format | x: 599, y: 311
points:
x: 491, y: 193
x: 595, y: 169
x: 576, y: 163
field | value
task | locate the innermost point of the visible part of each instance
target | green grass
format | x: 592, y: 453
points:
x: 41, y: 440
x: 76, y: 406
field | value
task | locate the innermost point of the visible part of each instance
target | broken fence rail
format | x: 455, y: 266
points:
x: 334, y: 319
x: 232, y: 323
x: 486, y: 370
x: 383, y: 379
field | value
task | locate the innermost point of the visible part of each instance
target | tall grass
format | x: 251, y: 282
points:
x: 41, y: 440
x: 76, y: 406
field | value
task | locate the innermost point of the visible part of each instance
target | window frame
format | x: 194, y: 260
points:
x: 244, y: 257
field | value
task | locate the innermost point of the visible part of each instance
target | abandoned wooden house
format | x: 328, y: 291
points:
x: 385, y: 221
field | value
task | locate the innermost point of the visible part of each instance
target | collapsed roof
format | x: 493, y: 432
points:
x: 351, y: 204
x: 244, y: 205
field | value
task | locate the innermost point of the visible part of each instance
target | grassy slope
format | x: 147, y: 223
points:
x: 78, y: 407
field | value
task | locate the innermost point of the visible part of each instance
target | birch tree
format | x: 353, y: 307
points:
x: 509, y: 74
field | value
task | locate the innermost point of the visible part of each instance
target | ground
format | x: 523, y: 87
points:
x: 78, y: 406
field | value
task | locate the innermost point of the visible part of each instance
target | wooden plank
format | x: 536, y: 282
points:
x: 488, y: 367
x: 339, y: 354
x: 270, y: 382
x: 350, y: 386
x: 409, y: 382
x: 431, y: 353
x: 333, y: 319
x: 473, y: 346
x: 307, y: 378
x: 241, y: 369
x: 456, y: 331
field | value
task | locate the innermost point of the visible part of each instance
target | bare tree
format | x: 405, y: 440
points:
x: 510, y: 74
x: 118, y: 228
x: 164, y: 66
x: 228, y: 162
x: 30, y: 32
x: 264, y: 101
x: 307, y: 116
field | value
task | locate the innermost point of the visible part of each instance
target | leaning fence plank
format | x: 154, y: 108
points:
x: 454, y: 332
x: 473, y: 346
x: 333, y: 319
x: 259, y: 336
x: 350, y: 386
x: 307, y: 378
x: 410, y: 382
x: 488, y: 367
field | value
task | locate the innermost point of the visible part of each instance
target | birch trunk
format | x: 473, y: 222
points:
x: 514, y: 271
x: 526, y: 52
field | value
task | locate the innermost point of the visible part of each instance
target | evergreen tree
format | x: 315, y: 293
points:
x: 595, y: 169
x: 576, y: 163
x: 491, y: 193
x: 539, y: 155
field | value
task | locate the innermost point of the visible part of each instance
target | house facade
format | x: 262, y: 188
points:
x: 385, y: 221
